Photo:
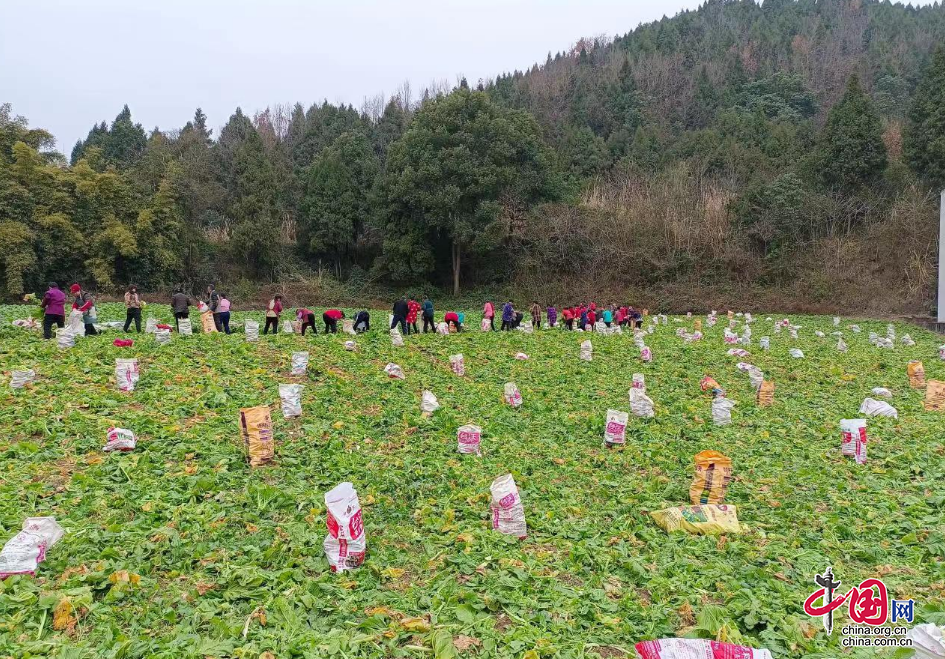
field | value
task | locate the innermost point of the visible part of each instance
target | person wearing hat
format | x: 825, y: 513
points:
x: 84, y: 303
x: 54, y: 312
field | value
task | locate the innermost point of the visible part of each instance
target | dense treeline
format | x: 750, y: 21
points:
x: 776, y: 143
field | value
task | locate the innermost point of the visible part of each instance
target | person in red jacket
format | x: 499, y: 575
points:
x: 452, y: 318
x: 331, y: 318
x: 568, y: 314
x: 307, y: 318
x: 413, y: 309
x: 85, y: 303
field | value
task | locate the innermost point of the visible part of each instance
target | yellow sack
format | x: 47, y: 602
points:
x: 731, y: 314
x: 206, y: 318
x: 697, y: 325
x: 766, y: 394
x: 916, y: 373
x: 256, y: 429
x: 934, y: 396
x: 707, y: 520
x: 713, y: 473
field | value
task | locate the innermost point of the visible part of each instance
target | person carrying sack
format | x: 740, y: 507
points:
x: 213, y: 301
x: 180, y: 306
x: 85, y: 303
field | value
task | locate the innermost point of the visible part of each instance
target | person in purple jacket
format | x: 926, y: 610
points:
x: 54, y: 312
x: 552, y: 316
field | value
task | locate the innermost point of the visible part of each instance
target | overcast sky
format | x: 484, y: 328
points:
x: 66, y: 65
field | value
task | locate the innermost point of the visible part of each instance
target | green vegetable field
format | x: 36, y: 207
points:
x: 181, y: 549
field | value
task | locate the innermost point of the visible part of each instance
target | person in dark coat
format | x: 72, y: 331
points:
x: 400, y: 315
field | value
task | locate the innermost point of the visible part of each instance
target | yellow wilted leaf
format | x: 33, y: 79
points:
x: 62, y: 615
x: 415, y: 625
x: 378, y: 611
x: 267, y: 655
x: 531, y: 654
x: 464, y: 537
x: 124, y: 576
x: 338, y: 425
x: 368, y: 500
x: 393, y: 572
x: 147, y: 507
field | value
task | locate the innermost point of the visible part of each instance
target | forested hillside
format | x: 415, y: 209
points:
x: 778, y: 153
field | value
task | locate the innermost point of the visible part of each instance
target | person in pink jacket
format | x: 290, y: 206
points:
x: 488, y: 312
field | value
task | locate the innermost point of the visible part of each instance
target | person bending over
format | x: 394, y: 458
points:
x: 362, y: 322
x: 307, y: 318
x: 331, y: 318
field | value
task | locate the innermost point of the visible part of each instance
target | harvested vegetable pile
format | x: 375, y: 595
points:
x: 179, y: 548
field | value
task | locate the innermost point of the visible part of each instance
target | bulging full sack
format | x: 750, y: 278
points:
x: 468, y: 439
x: 852, y: 432
x: 508, y: 513
x: 347, y: 326
x: 638, y: 382
x: 881, y: 392
x: 19, y: 379
x: 65, y: 338
x: 186, y: 328
x: 765, y: 395
x: 615, y: 428
x: 23, y: 553
x: 916, y: 372
x: 126, y: 374
x: 765, y: 342
x: 443, y: 329
x: 693, y: 648
x: 722, y: 410
x: 299, y: 363
x: 934, y: 396
x: 346, y: 543
x: 841, y: 345
x: 252, y: 331
x: 291, y: 397
x: 646, y: 355
x: 256, y: 429
x: 119, y: 439
x: 150, y: 326
x: 712, y: 476
x: 162, y: 336
x: 458, y: 365
x: 288, y: 327
x: 702, y: 519
x: 395, y: 372
x: 796, y: 353
x: 587, y: 351
x: 755, y: 377
x: 206, y: 322
x: 428, y: 403
x: 521, y: 356
x: 396, y: 338
x: 640, y: 404
x: 512, y: 395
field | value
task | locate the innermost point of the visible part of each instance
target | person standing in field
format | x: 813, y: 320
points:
x: 331, y: 318
x: 180, y: 306
x: 400, y: 315
x: 223, y: 309
x: 508, y: 316
x: 272, y: 315
x: 132, y: 309
x: 535, y: 312
x: 413, y: 309
x: 54, y: 312
x: 307, y: 318
x: 213, y: 301
x: 84, y: 303
x: 488, y: 312
x: 428, y: 316
x: 552, y: 316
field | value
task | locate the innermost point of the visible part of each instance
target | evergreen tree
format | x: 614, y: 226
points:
x: 851, y: 152
x: 126, y: 141
x: 924, y: 140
